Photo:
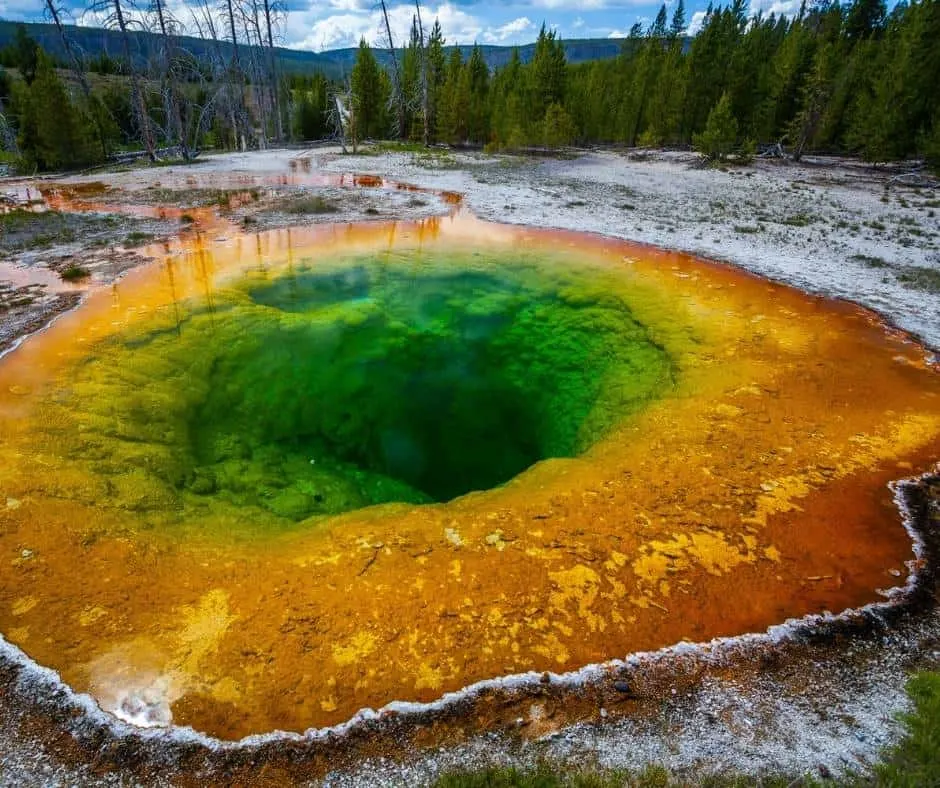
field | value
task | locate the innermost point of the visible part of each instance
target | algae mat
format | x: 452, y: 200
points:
x: 273, y: 479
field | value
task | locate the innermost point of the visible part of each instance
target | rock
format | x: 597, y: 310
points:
x: 623, y: 687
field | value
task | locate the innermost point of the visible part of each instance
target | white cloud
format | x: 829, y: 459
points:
x: 341, y: 23
x: 459, y: 27
x: 778, y: 7
x: 20, y: 10
x: 698, y: 19
x: 331, y: 24
x: 510, y: 31
x: 309, y: 30
x: 339, y: 30
x: 586, y: 5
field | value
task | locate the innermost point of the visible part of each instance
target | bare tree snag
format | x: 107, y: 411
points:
x: 172, y: 99
x: 398, y: 96
x: 137, y: 93
x: 237, y: 78
x: 269, y: 11
x: 425, y: 88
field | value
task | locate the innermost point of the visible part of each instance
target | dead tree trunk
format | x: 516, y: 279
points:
x: 176, y: 134
x: 7, y: 134
x: 344, y: 121
x: 275, y: 76
x: 222, y: 69
x: 237, y: 78
x: 251, y: 26
x: 425, y: 88
x: 231, y: 22
x: 398, y: 95
x: 137, y: 93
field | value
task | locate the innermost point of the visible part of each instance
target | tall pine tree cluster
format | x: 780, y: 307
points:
x: 846, y: 78
x: 50, y: 128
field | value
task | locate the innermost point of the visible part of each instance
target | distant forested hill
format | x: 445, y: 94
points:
x: 333, y: 64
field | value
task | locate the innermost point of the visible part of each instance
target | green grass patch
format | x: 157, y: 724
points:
x: 799, y: 220
x: 435, y: 160
x: 915, y: 760
x: 74, y: 273
x: 21, y: 229
x: 547, y: 775
x: 137, y: 238
x: 393, y: 146
x: 870, y: 260
x: 310, y: 205
x: 917, y: 278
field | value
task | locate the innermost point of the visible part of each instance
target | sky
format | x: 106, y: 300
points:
x: 331, y: 24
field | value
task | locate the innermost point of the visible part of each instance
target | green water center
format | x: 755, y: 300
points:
x: 328, y: 388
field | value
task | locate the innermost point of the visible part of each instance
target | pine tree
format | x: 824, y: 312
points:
x: 451, y: 120
x: 665, y: 105
x: 437, y: 65
x: 54, y: 132
x: 718, y: 139
x: 678, y: 24
x: 864, y: 19
x: 26, y: 52
x: 411, y: 82
x: 930, y: 144
x: 817, y: 92
x: 549, y: 74
x: 658, y: 28
x: 478, y: 78
x: 557, y: 128
x: 507, y: 100
x: 310, y: 105
x: 709, y: 62
x: 370, y: 91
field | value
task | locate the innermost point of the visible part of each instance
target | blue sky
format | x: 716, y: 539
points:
x: 329, y: 24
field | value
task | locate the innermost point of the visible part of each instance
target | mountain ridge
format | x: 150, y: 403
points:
x: 335, y: 63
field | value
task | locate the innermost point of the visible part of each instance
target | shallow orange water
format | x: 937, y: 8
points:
x: 755, y: 492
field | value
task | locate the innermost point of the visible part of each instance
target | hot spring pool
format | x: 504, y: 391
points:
x: 265, y: 482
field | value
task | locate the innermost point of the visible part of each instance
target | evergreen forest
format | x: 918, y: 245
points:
x: 855, y: 79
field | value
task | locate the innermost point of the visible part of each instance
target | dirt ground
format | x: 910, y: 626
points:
x: 835, y: 228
